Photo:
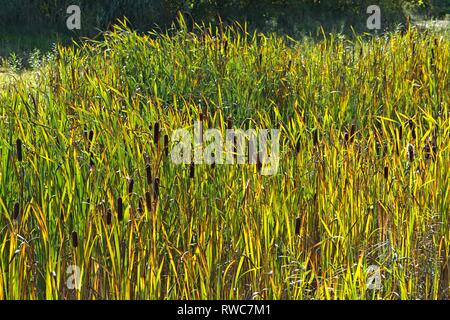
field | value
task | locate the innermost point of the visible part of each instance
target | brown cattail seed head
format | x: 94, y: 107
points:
x: 258, y: 164
x: 156, y: 133
x: 156, y: 188
x: 213, y: 164
x: 148, y: 170
x: 120, y: 209
x: 91, y: 160
x: 411, y: 152
x: 130, y: 185
x: 229, y: 124
x: 297, y: 226
x: 352, y: 132
x: 298, y: 145
x: 16, y: 211
x: 166, y: 145
x: 386, y: 172
x: 315, y: 138
x: 192, y: 170
x: 19, y: 150
x: 148, y: 201
x: 108, y: 216
x: 74, y: 239
x: 346, y: 137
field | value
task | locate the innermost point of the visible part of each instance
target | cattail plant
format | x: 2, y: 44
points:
x: 229, y: 123
x: 19, y: 150
x: 352, y: 132
x: 74, y: 239
x: 213, y: 164
x: 258, y: 163
x: 166, y: 145
x: 434, y: 148
x: 386, y: 172
x: 141, y: 205
x: 148, y: 170
x: 397, y: 141
x: 298, y: 145
x: 148, y: 201
x: 298, y: 222
x: 315, y: 137
x: 430, y: 148
x: 108, y: 217
x: 91, y: 137
x: 16, y: 211
x: 346, y: 137
x: 130, y: 185
x: 156, y: 133
x: 412, y: 128
x: 411, y: 153
x: 192, y: 170
x: 156, y: 188
x: 91, y: 160
x: 120, y: 209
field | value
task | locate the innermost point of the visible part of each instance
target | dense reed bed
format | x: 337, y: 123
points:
x: 86, y: 177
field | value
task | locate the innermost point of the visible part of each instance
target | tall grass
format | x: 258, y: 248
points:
x: 363, y: 176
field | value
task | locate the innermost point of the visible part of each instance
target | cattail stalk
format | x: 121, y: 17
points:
x: 74, y: 239
x: 120, y: 209
x: 229, y: 123
x: 352, y: 132
x: 346, y: 138
x: 298, y: 222
x: 213, y: 164
x: 148, y: 170
x: 192, y: 170
x: 258, y: 163
x: 130, y: 186
x: 91, y: 137
x: 16, y: 211
x: 411, y: 153
x: 141, y: 205
x: 19, y: 150
x: 156, y: 133
x: 315, y: 138
x: 108, y: 217
x: 156, y: 188
x: 148, y: 201
x: 166, y: 145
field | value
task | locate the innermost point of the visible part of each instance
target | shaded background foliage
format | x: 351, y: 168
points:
x: 30, y: 25
x: 281, y: 15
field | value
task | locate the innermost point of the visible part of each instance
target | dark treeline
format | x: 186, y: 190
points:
x: 270, y: 15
